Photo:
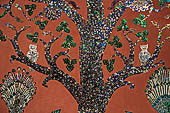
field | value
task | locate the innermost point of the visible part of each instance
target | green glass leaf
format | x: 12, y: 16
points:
x: 139, y: 34
x: 116, y: 38
x: 65, y: 45
x: 29, y: 36
x: 2, y: 38
x: 56, y: 111
x: 70, y: 67
x: 1, y: 32
x: 66, y: 61
x: 73, y: 44
x: 144, y: 24
x: 74, y: 61
x: 146, y: 32
x: 141, y: 16
x: 35, y: 40
x: 3, y: 14
x: 105, y: 62
x: 123, y: 22
x: 144, y: 39
x: 110, y: 68
x: 37, y: 22
x: 36, y: 34
x: 33, y: 6
x: 118, y: 45
x: 161, y: 3
x: 111, y: 43
x: 136, y: 21
x: 112, y: 61
x: 45, y: 22
x: 30, y: 12
x: 42, y: 27
x: 59, y: 28
x: 67, y: 30
x: 68, y: 38
x: 63, y: 24
x: 126, y: 28
x: 27, y: 6
x: 119, y: 28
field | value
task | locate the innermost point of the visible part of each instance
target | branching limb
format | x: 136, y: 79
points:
x: 25, y: 15
x: 60, y: 54
x: 25, y: 60
x: 48, y: 47
x: 70, y: 83
x: 147, y: 66
x: 159, y: 44
x: 70, y: 12
x: 22, y: 58
x: 156, y: 10
x: 53, y: 73
x: 113, y: 17
x: 123, y: 57
x: 132, y: 49
x: 137, y: 41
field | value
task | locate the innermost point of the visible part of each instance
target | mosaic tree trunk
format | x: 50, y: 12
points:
x: 92, y: 94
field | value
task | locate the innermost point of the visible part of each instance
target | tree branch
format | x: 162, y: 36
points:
x: 70, y: 83
x: 58, y: 55
x: 113, y: 17
x: 159, y: 44
x: 48, y: 47
x: 37, y: 67
x: 132, y: 49
x: 24, y: 59
x: 123, y: 57
x: 56, y: 74
x: 156, y: 10
x: 70, y: 12
x: 53, y: 73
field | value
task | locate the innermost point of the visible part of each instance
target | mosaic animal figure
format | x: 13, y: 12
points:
x: 158, y: 90
x: 17, y: 90
x: 32, y: 54
x: 144, y: 55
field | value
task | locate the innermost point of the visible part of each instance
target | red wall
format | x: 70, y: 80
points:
x: 56, y: 96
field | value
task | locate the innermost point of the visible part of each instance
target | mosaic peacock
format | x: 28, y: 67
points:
x: 158, y: 90
x: 17, y: 90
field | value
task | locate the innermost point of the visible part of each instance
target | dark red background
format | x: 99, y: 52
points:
x: 56, y: 96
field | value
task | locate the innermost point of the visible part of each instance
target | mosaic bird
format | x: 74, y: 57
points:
x: 158, y: 90
x: 17, y: 90
x: 74, y: 4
